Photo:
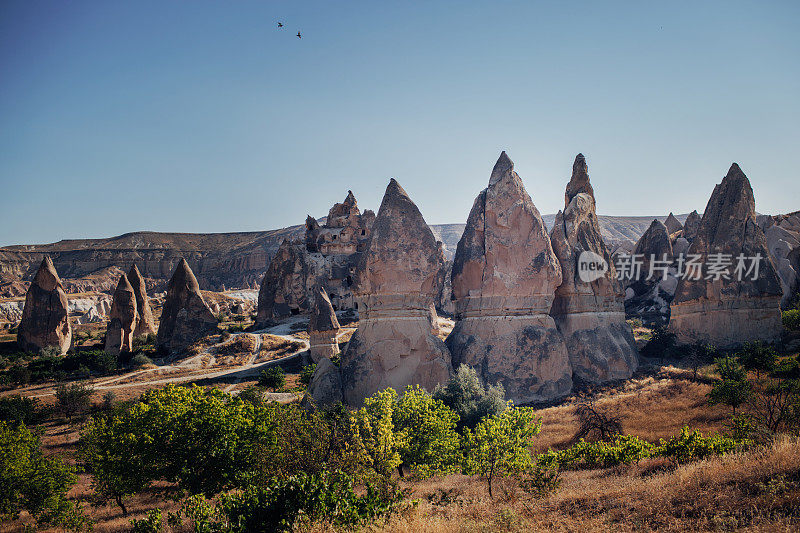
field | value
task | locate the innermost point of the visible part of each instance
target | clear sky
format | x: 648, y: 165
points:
x: 203, y: 116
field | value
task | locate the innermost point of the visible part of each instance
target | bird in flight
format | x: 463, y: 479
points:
x: 280, y: 24
x: 299, y: 36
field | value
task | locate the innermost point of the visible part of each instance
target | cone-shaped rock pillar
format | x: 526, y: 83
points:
x: 589, y: 313
x: 146, y: 324
x: 323, y: 328
x: 186, y: 317
x: 123, y: 319
x: 505, y: 274
x: 729, y: 312
x: 45, y: 318
x: 395, y: 286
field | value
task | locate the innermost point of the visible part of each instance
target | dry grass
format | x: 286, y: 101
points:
x: 757, y: 490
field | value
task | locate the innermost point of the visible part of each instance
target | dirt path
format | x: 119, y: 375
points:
x: 239, y: 373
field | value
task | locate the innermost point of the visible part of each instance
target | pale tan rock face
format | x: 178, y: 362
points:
x: 729, y: 312
x: 395, y: 287
x: 146, y: 324
x: 185, y: 317
x: 590, y: 316
x: 504, y: 278
x: 123, y: 319
x: 325, y: 388
x: 323, y: 328
x: 287, y: 285
x: 45, y: 318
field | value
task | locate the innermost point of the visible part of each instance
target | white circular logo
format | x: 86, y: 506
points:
x: 591, y: 266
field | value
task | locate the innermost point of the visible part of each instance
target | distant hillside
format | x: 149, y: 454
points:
x: 218, y: 259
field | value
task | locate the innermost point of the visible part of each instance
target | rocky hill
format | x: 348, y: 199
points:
x: 219, y: 260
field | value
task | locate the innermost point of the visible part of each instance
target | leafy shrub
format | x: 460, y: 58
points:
x: 433, y: 442
x: 307, y: 373
x: 16, y: 409
x: 201, y: 439
x: 733, y: 388
x: 273, y: 378
x: 662, y: 344
x: 152, y: 523
x: 34, y: 482
x: 469, y: 399
x: 692, y: 445
x: 140, y: 360
x: 758, y: 356
x: 328, y: 496
x: 378, y: 442
x: 624, y: 449
x: 788, y: 368
x: 791, y: 319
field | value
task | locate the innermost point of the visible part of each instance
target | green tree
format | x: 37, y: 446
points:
x: 201, y: 439
x: 433, y: 442
x: 499, y: 445
x: 758, y: 356
x: 469, y: 399
x: 374, y: 433
x: 272, y: 378
x: 732, y: 389
x: 35, y: 483
x: 74, y: 399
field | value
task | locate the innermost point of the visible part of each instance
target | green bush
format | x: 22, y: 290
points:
x: 732, y: 389
x: 469, y: 399
x: 272, y: 378
x: 433, y: 442
x: 278, y: 506
x: 692, y: 445
x: 791, y: 319
x: 662, y: 344
x: 18, y: 408
x: 307, y: 373
x: 73, y: 400
x: 140, y: 360
x: 624, y: 449
x: 757, y: 356
x: 34, y: 482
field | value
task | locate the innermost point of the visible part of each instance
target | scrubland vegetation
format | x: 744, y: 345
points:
x: 700, y: 439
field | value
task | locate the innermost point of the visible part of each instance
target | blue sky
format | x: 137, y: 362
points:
x: 202, y: 116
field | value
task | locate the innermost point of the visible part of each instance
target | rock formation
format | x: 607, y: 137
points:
x: 146, y: 324
x: 323, y: 328
x: 285, y: 289
x: 395, y: 287
x: 783, y: 240
x: 590, y: 315
x: 185, y: 317
x: 691, y: 226
x: 649, y: 299
x: 325, y: 388
x: 672, y: 224
x: 123, y: 319
x: 328, y: 257
x: 505, y: 274
x: 729, y: 312
x: 45, y: 318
